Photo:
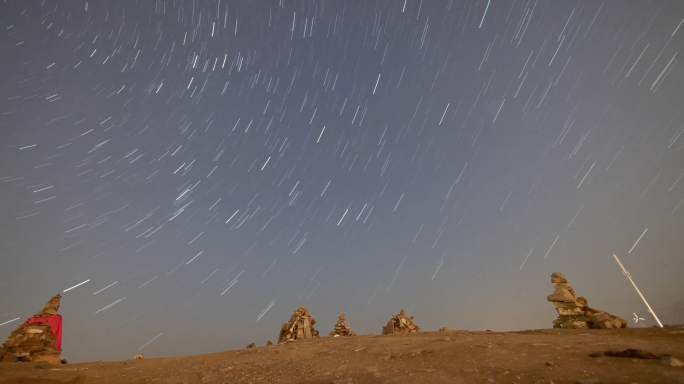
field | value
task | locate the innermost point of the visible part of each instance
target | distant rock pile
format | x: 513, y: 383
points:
x: 299, y: 327
x: 342, y: 328
x: 400, y: 324
x: 575, y: 313
x: 39, y: 339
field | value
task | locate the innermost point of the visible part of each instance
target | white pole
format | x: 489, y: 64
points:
x: 624, y: 271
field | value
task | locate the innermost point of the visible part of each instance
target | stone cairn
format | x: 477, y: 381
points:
x: 575, y: 313
x: 400, y: 324
x: 34, y: 341
x: 342, y: 328
x: 299, y: 327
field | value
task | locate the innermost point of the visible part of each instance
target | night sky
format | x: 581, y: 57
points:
x: 203, y: 167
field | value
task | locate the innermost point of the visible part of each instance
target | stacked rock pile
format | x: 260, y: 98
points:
x: 342, y: 328
x: 575, y: 313
x: 400, y: 324
x: 38, y: 339
x: 299, y: 327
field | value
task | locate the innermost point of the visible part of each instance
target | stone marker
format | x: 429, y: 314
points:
x: 299, y: 327
x: 38, y: 339
x: 400, y: 324
x: 342, y: 328
x: 575, y: 313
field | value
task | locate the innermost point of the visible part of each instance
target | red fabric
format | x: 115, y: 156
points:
x: 55, y: 322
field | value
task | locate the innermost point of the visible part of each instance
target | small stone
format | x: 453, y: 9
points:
x: 444, y: 329
x: 251, y: 346
x: 139, y: 356
x: 269, y: 342
x: 548, y: 364
x: 570, y: 311
x: 671, y: 361
x: 599, y: 317
x: 561, y: 294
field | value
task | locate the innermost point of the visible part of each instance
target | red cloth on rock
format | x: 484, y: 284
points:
x: 55, y: 322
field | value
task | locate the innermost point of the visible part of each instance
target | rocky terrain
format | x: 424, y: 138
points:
x: 560, y: 356
x: 585, y: 346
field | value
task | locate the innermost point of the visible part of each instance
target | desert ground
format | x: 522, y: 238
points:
x: 536, y: 356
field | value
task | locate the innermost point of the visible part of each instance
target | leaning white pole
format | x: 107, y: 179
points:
x: 624, y: 271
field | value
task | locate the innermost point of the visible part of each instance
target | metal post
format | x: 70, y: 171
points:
x: 624, y: 271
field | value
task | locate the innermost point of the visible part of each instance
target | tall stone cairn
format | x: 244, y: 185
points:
x: 33, y: 342
x: 575, y: 313
x: 342, y: 328
x: 299, y: 327
x: 400, y: 324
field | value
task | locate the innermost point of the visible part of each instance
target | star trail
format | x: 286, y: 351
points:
x: 186, y: 173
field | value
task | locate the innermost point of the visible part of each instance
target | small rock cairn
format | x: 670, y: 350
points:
x: 35, y: 340
x: 400, y: 324
x: 299, y: 327
x: 575, y: 313
x: 342, y: 328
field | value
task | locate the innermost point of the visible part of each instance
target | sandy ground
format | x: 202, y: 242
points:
x: 535, y: 356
